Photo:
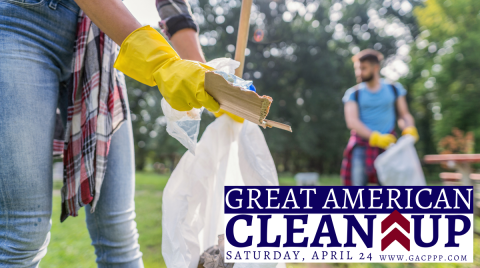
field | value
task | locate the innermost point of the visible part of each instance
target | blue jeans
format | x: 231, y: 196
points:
x: 36, y: 51
x: 359, y: 174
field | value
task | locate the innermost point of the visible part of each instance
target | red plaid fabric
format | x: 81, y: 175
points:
x: 96, y: 109
x: 371, y: 155
x: 176, y: 15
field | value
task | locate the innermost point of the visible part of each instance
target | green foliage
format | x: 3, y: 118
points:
x: 444, y: 70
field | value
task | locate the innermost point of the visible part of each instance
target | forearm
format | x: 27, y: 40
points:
x: 111, y: 16
x: 179, y: 26
x: 360, y: 128
x: 186, y: 43
x: 353, y: 120
x: 406, y: 121
x: 405, y: 118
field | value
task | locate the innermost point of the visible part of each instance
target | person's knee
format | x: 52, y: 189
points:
x: 121, y: 228
x: 115, y: 238
x: 113, y: 229
x: 26, y: 238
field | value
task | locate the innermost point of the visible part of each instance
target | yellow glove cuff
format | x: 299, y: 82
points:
x: 411, y: 131
x: 234, y: 117
x: 142, y: 53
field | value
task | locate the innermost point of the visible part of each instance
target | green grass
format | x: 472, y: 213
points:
x: 148, y: 206
x: 70, y: 241
x: 328, y: 180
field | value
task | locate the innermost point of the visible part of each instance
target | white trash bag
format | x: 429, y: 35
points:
x: 399, y: 165
x: 229, y: 153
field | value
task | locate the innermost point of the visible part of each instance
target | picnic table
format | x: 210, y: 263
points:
x: 463, y: 164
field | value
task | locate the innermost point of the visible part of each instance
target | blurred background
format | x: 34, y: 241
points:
x: 299, y: 54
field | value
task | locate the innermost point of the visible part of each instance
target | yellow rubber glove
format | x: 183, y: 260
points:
x: 234, y: 117
x: 381, y: 140
x: 148, y: 58
x: 412, y: 131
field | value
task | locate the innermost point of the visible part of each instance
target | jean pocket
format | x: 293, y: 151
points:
x: 25, y: 3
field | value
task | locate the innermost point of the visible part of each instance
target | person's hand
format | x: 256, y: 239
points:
x: 148, y: 58
x: 411, y: 131
x: 381, y: 140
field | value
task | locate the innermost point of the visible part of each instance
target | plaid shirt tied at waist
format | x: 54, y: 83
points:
x: 97, y: 107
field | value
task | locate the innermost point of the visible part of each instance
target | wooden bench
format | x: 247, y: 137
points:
x: 455, y: 179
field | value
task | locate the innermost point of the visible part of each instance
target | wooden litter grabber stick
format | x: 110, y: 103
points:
x: 246, y: 104
x: 242, y: 35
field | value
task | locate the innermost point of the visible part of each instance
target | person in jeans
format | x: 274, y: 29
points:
x: 52, y: 55
x: 371, y: 109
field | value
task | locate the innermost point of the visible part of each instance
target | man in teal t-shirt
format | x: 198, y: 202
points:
x: 371, y: 110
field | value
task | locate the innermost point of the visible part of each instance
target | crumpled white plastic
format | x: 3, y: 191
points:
x: 184, y: 126
x: 229, y: 153
x: 226, y: 68
x: 226, y: 65
x: 399, y: 165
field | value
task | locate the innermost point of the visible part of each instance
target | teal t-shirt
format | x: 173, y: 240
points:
x: 376, y: 109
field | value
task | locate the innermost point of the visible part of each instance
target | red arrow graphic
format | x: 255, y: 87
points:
x: 395, y: 234
x: 395, y: 217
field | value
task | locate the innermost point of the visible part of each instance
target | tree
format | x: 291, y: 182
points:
x: 444, y: 70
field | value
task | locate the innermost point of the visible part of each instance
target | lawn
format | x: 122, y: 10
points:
x: 73, y: 249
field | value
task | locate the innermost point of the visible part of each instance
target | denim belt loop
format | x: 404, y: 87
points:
x: 53, y: 4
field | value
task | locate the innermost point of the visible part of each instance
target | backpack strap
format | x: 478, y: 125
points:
x: 357, y: 91
x: 395, y: 93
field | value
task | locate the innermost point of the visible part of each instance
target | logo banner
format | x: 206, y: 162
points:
x: 348, y: 224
